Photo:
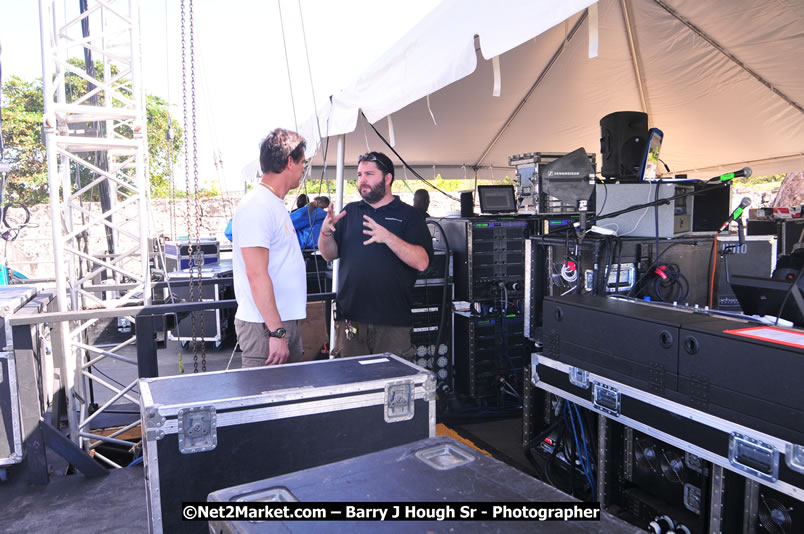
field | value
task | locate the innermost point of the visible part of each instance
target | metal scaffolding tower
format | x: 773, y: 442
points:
x: 95, y: 133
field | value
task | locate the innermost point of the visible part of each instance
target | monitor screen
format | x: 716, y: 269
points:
x: 766, y: 296
x: 496, y: 198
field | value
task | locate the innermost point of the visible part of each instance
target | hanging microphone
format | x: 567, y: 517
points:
x: 737, y: 213
x: 745, y: 171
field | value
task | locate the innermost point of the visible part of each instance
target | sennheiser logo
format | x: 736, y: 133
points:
x: 563, y: 173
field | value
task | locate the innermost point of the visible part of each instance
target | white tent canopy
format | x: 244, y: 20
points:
x: 724, y: 80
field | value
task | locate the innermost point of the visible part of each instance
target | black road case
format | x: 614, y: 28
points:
x: 10, y: 423
x: 177, y: 253
x: 730, y: 367
x: 205, y: 432
x: 436, y: 470
x: 12, y: 298
x: 217, y: 323
x: 762, y: 457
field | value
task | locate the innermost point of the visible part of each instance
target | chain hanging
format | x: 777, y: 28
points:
x: 199, y: 261
x: 186, y: 140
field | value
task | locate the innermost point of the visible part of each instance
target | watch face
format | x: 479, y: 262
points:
x: 279, y: 332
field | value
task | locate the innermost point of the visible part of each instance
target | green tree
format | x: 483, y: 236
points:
x: 22, y: 140
x: 22, y: 108
x: 164, y: 144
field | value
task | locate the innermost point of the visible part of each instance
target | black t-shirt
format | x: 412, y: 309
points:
x: 374, y: 285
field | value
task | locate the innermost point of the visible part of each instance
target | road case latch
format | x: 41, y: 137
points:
x: 606, y: 399
x: 197, y: 429
x: 153, y: 423
x: 579, y: 377
x: 754, y: 457
x: 430, y: 387
x: 399, y: 401
x: 794, y: 457
x: 692, y: 498
x: 534, y: 374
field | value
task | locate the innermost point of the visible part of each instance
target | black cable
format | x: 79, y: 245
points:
x: 650, y: 269
x: 556, y: 446
x: 656, y: 215
x: 321, y: 288
x: 789, y: 292
x: 619, y: 246
x: 419, y: 176
x: 595, y: 270
x: 674, y: 280
x: 605, y: 196
x: 534, y: 444
x: 540, y: 474
x: 607, y: 264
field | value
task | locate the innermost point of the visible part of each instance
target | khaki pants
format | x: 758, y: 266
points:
x: 253, y: 340
x: 373, y: 339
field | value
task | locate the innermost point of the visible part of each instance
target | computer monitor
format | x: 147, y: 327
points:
x: 496, y: 198
x: 764, y: 296
x: 650, y: 159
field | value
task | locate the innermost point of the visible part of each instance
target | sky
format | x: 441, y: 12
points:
x: 243, y: 88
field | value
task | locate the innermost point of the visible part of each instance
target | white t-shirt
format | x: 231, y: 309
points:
x: 261, y: 220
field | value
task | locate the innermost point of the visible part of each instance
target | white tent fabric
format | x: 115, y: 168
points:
x: 723, y: 79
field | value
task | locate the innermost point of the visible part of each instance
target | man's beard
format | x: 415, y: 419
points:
x: 375, y: 194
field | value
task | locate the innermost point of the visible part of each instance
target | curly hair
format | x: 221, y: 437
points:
x: 277, y: 146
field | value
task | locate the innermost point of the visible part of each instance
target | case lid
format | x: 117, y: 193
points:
x: 243, y: 387
x: 12, y: 298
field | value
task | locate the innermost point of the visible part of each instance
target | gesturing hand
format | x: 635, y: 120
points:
x: 328, y: 226
x: 377, y: 232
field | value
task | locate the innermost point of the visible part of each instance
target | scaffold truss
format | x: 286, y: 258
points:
x: 96, y: 138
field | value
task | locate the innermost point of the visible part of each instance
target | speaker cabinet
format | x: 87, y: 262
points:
x: 623, y: 136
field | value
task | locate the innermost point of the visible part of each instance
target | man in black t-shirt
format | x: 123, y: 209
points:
x: 382, y: 243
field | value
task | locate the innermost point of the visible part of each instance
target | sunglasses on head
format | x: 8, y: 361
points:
x: 371, y: 157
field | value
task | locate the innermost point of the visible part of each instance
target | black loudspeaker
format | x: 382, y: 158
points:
x: 467, y: 204
x: 623, y: 135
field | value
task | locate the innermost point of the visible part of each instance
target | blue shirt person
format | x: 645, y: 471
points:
x: 307, y: 222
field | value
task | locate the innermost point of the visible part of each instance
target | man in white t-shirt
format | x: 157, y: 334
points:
x: 269, y: 274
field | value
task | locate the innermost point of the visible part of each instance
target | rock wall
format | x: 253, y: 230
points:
x: 32, y: 252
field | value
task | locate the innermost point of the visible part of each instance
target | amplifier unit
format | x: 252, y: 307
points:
x: 488, y: 251
x: 665, y: 481
x: 675, y: 218
x: 490, y: 352
x: 770, y: 512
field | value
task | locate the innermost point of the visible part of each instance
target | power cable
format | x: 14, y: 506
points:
x: 287, y: 64
x: 419, y: 176
x: 309, y: 69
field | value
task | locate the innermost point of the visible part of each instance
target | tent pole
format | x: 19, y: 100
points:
x: 339, y: 167
x: 729, y: 55
x: 530, y: 92
x: 632, y: 45
x: 715, y: 168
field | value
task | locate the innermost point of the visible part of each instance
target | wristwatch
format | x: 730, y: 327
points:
x: 279, y: 332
